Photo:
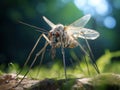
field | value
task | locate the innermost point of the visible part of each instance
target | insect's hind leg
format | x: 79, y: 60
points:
x: 86, y: 53
x: 92, y: 57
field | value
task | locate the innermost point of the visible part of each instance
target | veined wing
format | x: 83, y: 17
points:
x: 49, y: 22
x: 83, y: 33
x: 82, y: 21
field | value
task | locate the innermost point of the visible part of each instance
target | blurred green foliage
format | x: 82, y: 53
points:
x: 106, y: 63
x: 109, y: 62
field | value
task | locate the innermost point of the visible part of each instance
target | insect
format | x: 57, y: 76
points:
x: 61, y: 36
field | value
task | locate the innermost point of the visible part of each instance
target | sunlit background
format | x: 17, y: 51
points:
x: 16, y: 40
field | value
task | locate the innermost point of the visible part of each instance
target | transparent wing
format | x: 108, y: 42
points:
x: 49, y: 22
x: 82, y: 21
x: 83, y: 33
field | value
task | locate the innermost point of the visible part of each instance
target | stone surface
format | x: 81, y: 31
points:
x: 98, y: 82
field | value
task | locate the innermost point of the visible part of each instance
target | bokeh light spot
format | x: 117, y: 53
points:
x: 99, y: 6
x: 80, y: 4
x: 94, y: 2
x: 102, y: 9
x: 110, y: 22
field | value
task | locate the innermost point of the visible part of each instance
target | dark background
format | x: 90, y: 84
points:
x: 16, y: 40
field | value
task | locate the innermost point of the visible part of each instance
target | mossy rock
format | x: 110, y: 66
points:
x: 100, y: 82
x: 105, y: 81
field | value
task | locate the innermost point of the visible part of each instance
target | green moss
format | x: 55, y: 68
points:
x: 105, y: 63
x: 106, y: 81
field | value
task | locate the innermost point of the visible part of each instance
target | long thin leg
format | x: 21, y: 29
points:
x: 35, y: 56
x: 38, y: 54
x: 83, y: 49
x: 92, y: 57
x: 42, y: 56
x: 28, y: 58
x: 63, y: 53
x: 86, y: 53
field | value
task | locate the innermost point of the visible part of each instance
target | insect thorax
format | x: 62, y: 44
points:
x: 60, y: 37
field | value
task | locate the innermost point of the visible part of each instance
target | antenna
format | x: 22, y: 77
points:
x: 38, y: 29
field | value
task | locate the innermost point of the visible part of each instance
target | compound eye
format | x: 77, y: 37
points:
x: 57, y: 34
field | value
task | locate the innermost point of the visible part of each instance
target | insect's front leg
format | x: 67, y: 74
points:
x: 39, y: 53
x: 28, y: 58
x: 46, y: 38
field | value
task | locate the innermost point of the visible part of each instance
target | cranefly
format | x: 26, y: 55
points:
x: 61, y: 36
